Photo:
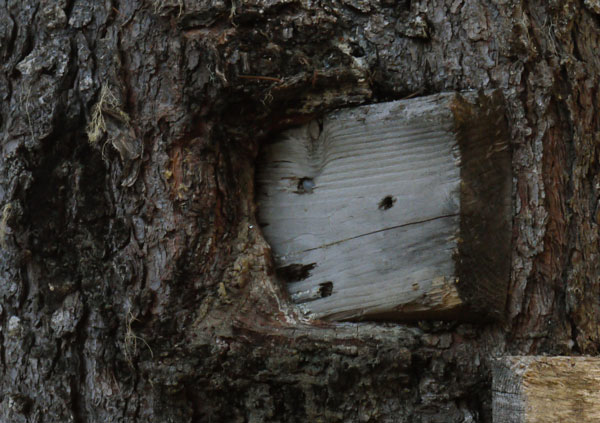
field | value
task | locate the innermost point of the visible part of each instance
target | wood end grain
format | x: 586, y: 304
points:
x: 484, y: 250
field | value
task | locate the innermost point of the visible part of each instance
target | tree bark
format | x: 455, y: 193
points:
x: 136, y: 284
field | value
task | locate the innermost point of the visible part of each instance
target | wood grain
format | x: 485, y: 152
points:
x: 535, y: 389
x: 363, y: 210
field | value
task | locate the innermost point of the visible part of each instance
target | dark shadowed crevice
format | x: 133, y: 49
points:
x: 78, y: 396
x: 2, y: 354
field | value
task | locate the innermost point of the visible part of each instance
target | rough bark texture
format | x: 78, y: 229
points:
x: 135, y: 283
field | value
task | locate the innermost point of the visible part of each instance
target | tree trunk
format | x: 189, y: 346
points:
x: 136, y: 284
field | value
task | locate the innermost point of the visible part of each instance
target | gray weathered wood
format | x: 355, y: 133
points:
x: 534, y: 389
x: 363, y: 210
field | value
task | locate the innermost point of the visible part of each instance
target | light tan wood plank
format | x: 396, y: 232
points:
x: 536, y: 389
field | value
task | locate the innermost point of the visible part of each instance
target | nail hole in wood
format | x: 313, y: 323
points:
x: 387, y: 202
x: 305, y: 186
x: 325, y: 289
x: 295, y: 272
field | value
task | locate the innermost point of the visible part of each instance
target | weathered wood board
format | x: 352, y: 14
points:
x: 535, y: 389
x: 366, y: 210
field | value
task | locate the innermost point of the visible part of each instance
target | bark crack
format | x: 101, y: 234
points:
x: 2, y: 354
x: 79, y: 384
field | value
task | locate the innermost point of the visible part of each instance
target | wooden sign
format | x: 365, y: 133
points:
x: 535, y: 389
x: 392, y: 210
